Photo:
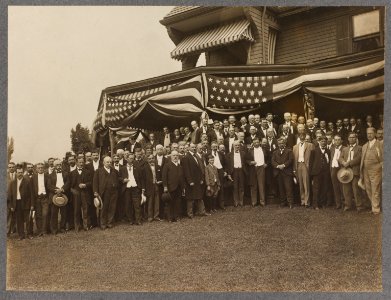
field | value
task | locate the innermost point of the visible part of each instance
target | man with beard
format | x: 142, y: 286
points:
x: 151, y: 189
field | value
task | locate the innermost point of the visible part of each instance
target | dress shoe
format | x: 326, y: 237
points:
x: 103, y: 227
x: 346, y: 209
x: 30, y: 237
x: 150, y: 220
x: 316, y: 208
x: 110, y: 226
x: 157, y: 219
x: 290, y: 206
x: 21, y: 238
x: 138, y: 223
x: 62, y: 230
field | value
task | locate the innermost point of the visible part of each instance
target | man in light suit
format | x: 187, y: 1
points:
x: 105, y: 185
x: 257, y: 159
x: 351, y: 158
x: 302, y: 153
x: 371, y: 169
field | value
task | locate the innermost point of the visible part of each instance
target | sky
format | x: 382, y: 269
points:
x: 61, y: 58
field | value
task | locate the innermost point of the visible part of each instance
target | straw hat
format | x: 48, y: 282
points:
x: 60, y: 200
x: 98, y: 202
x: 345, y: 175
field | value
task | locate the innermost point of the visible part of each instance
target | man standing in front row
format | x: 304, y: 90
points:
x: 173, y: 184
x: 40, y: 183
x: 237, y: 171
x: 371, y: 169
x: 351, y: 158
x: 105, y: 185
x: 302, y: 153
x: 282, y: 160
x: 21, y: 201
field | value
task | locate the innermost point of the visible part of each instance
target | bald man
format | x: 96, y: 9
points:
x: 371, y: 169
x: 105, y: 185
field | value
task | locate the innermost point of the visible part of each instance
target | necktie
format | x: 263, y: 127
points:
x: 301, y: 143
x: 350, y: 153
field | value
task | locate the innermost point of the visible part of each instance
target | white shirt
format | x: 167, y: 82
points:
x: 132, y: 181
x: 50, y: 170
x: 107, y: 170
x: 153, y: 173
x: 167, y: 140
x: 121, y: 161
x: 371, y: 143
x: 72, y: 168
x: 231, y: 141
x: 116, y: 167
x: 217, y: 162
x: 60, y: 181
x: 351, y: 153
x: 259, y: 157
x: 337, y: 153
x: 12, y: 175
x: 159, y: 160
x: 301, y: 152
x: 218, y: 134
x: 237, y: 160
x: 18, y: 182
x: 41, y: 184
x: 95, y: 164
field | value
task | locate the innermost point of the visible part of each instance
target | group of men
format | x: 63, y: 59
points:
x: 194, y: 172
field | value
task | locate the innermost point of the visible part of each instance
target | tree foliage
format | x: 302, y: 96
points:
x: 81, y: 139
x: 10, y: 147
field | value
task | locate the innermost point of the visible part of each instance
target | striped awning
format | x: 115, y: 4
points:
x: 214, y: 37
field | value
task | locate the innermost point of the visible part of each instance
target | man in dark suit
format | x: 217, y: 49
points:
x: 160, y: 161
x: 320, y: 170
x: 257, y: 160
x: 253, y: 134
x: 270, y: 123
x: 229, y: 141
x: 21, y: 201
x: 219, y: 163
x: 282, y: 161
x: 132, y: 185
x: 81, y: 184
x: 173, y: 183
x: 341, y: 130
x: 58, y: 184
x: 358, y: 130
x: 262, y: 132
x: 335, y: 153
x: 40, y: 187
x: 288, y: 136
x: 289, y: 123
x: 11, y: 175
x: 151, y: 188
x: 216, y: 133
x: 351, y: 158
x: 195, y: 135
x: 105, y: 185
x: 132, y: 144
x: 311, y: 128
x: 193, y: 169
x: 237, y: 172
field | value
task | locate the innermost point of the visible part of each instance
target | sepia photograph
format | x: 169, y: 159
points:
x: 195, y: 148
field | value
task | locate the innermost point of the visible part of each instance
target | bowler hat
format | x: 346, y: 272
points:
x: 98, y: 202
x: 166, y: 197
x: 60, y: 200
x: 345, y: 175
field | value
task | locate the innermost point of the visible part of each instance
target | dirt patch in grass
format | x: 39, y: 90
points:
x: 241, y: 249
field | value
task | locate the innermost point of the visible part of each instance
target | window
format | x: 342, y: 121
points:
x: 366, y: 31
x: 271, y: 45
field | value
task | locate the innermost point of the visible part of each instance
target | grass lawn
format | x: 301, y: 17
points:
x: 242, y: 249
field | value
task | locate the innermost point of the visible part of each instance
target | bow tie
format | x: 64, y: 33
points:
x: 323, y: 148
x: 116, y: 165
x: 79, y: 169
x: 237, y: 151
x: 59, y: 172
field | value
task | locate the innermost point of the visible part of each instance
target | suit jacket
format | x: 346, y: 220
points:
x: 159, y: 169
x: 85, y: 177
x: 195, y: 136
x: 138, y: 173
x: 90, y: 166
x: 25, y: 191
x: 211, y: 176
x: 104, y: 181
x: 130, y: 147
x: 53, y: 181
x: 251, y: 168
x: 230, y: 162
x: 148, y: 180
x: 151, y: 144
x: 319, y: 163
x: 273, y: 145
x: 212, y: 136
x: 172, y: 176
x: 249, y: 139
x: 355, y: 162
x: 292, y: 130
x: 221, y: 157
x: 194, y: 172
x: 286, y: 158
x: 290, y: 140
x: 226, y: 144
x: 34, y: 185
x: 379, y: 150
x: 310, y: 132
x: 261, y: 134
x: 308, y: 152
